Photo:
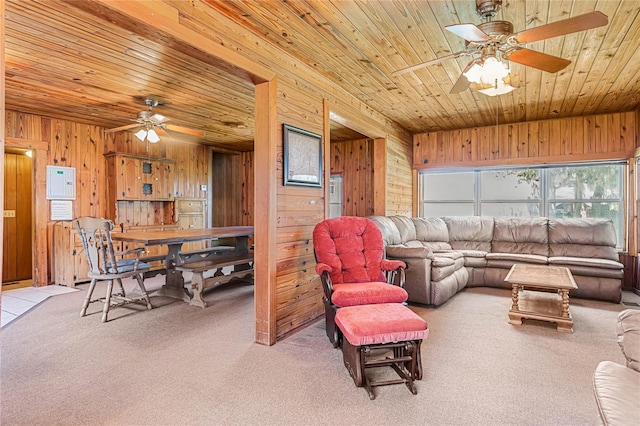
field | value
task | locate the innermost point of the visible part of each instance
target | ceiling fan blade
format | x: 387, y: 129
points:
x: 121, y: 128
x: 539, y: 60
x: 159, y: 118
x: 186, y: 130
x: 428, y: 63
x: 468, y: 32
x: 160, y: 131
x: 463, y: 83
x: 566, y: 26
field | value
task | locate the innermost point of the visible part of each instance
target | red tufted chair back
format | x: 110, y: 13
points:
x: 352, y: 246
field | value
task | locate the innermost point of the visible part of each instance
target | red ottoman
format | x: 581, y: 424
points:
x: 371, y: 329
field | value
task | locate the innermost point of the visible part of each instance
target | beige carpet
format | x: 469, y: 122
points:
x: 179, y: 364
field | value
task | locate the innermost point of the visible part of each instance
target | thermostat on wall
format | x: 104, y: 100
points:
x: 61, y: 183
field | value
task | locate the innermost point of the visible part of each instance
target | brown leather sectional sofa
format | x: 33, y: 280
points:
x: 446, y: 254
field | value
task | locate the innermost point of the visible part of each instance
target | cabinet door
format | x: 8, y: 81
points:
x: 189, y: 221
x: 129, y: 180
x: 80, y: 265
x: 164, y: 183
x: 149, y: 177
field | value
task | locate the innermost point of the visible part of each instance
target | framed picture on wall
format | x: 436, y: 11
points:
x: 302, y: 157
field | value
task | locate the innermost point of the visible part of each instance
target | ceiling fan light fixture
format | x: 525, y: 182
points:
x: 141, y: 134
x: 498, y: 88
x: 487, y: 72
x: 152, y: 136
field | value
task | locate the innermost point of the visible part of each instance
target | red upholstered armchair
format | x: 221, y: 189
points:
x: 350, y: 261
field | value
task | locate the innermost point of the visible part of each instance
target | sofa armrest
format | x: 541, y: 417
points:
x: 616, y: 389
x: 404, y: 252
x: 628, y: 329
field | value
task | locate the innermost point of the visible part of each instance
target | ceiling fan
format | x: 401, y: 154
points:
x: 495, y: 41
x: 154, y: 125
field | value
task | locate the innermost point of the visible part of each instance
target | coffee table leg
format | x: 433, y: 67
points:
x: 564, y: 294
x: 514, y: 297
x: 515, y: 317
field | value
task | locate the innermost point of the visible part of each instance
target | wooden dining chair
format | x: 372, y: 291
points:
x: 105, y: 264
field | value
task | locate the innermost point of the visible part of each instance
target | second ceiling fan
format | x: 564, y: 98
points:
x: 153, y: 125
x: 495, y: 41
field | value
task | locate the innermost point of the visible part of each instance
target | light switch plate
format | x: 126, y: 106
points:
x: 203, y: 187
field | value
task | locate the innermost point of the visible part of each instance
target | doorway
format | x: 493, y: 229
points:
x: 335, y: 196
x: 18, y: 237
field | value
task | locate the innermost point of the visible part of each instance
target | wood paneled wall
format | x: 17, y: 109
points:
x: 399, y: 179
x: 248, y: 188
x: 83, y: 146
x: 594, y: 137
x: 354, y: 161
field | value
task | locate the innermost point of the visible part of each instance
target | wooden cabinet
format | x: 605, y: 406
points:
x: 140, y: 178
x: 70, y: 262
x: 190, y: 213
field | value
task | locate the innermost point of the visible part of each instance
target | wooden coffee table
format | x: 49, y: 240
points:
x: 540, y: 302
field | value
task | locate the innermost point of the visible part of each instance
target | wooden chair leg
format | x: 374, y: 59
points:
x: 140, y: 280
x: 122, y: 293
x: 87, y: 299
x: 107, y: 301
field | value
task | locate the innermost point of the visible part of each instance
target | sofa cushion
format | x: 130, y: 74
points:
x: 433, y: 232
x: 577, y: 237
x: 390, y: 233
x: 517, y: 257
x: 405, y: 227
x: 525, y: 235
x: 470, y: 233
x: 591, y: 271
x: 443, y: 266
x: 582, y: 261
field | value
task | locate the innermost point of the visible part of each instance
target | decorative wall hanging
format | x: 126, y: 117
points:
x: 302, y: 157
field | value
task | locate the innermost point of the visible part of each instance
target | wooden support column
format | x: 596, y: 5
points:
x: 265, y: 166
x: 380, y: 176
x: 326, y: 153
x: 3, y: 132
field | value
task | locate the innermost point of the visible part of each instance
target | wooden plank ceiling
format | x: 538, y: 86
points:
x: 66, y: 62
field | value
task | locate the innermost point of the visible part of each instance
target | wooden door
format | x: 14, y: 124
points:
x: 17, y: 238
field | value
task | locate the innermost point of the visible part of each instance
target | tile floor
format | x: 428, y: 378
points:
x: 20, y: 300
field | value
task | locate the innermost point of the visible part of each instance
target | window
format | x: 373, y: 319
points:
x: 448, y: 194
x: 510, y: 193
x: 586, y: 190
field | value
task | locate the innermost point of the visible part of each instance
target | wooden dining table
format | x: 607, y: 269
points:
x: 175, y: 238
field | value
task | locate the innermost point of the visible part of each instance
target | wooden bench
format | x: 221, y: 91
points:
x: 243, y: 267
x: 156, y: 268
x: 202, y: 254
